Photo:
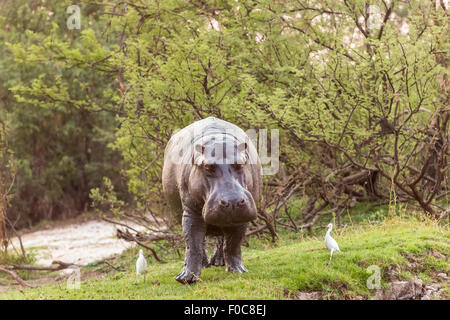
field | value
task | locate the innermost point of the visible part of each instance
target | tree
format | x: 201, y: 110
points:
x: 359, y: 92
x: 7, y: 177
x: 58, y: 130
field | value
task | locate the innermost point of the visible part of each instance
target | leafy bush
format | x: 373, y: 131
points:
x: 360, y: 96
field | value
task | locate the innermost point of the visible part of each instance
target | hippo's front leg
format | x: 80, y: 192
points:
x: 194, y: 229
x: 232, y: 248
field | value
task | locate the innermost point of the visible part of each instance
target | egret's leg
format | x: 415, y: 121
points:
x: 331, y: 255
x: 144, y: 277
x: 136, y: 279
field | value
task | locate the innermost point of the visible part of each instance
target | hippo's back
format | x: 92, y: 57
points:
x: 193, y: 132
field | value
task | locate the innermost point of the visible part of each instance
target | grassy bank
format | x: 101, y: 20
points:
x: 278, y: 271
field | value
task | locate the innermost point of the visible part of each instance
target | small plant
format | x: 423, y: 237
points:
x: 447, y: 290
x: 106, y: 199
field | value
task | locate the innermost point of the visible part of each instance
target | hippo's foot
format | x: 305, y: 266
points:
x: 217, y: 259
x: 186, y: 276
x: 239, y: 267
x: 205, y: 262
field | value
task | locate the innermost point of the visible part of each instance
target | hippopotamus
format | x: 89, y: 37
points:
x: 212, y: 179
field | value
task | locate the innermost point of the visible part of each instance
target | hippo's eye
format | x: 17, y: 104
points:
x: 210, y: 167
x: 238, y: 166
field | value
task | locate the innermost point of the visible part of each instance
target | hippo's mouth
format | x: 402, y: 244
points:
x: 228, y: 217
x: 221, y: 225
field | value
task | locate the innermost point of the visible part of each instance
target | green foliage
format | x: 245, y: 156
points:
x: 59, y: 131
x: 345, y: 96
x: 107, y: 199
x: 261, y: 65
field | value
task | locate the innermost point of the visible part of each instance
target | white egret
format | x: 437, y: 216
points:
x: 141, y: 265
x: 330, y: 242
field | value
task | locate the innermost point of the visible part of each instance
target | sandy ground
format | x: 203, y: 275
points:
x: 79, y: 243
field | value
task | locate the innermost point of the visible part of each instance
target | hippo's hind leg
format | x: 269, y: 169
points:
x: 232, y: 248
x: 194, y: 229
x: 205, y: 262
x: 217, y: 258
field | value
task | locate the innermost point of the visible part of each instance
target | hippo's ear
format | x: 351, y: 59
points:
x: 200, y: 148
x: 243, y: 157
x: 197, y: 156
x: 242, y: 147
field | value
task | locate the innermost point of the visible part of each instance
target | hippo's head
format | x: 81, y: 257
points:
x: 221, y: 179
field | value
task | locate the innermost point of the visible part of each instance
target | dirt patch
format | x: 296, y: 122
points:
x: 303, y: 295
x: 79, y: 243
x: 415, y: 289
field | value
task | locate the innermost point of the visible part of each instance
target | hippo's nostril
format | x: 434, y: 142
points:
x: 224, y: 203
x: 242, y: 202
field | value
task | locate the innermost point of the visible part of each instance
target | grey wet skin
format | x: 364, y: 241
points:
x: 212, y: 178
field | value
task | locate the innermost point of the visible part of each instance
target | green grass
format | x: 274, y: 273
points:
x: 276, y: 270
